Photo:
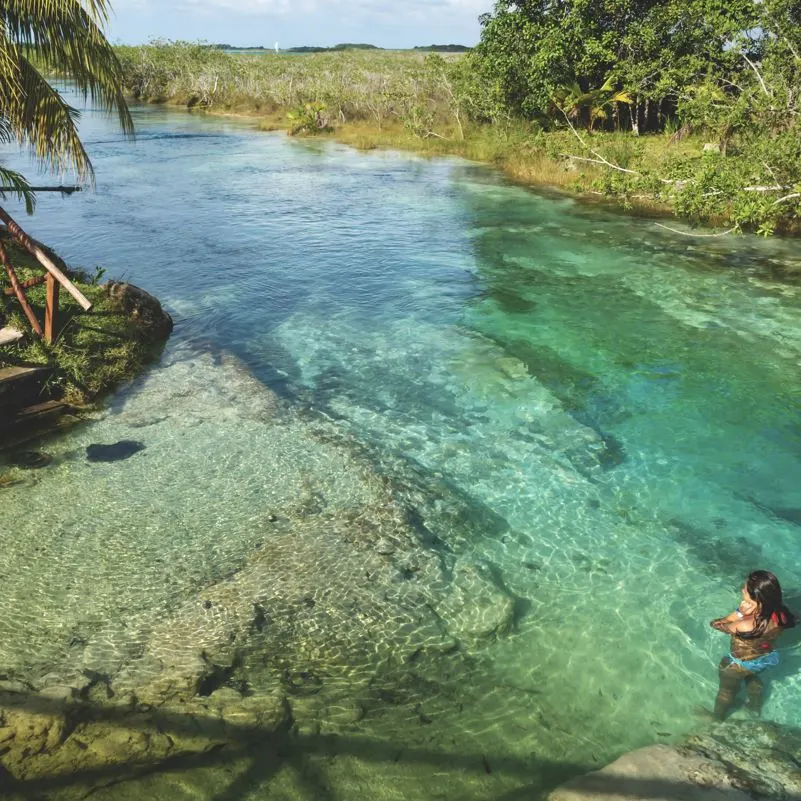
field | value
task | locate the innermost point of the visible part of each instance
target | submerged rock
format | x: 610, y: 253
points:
x: 476, y: 609
x: 44, y: 737
x: 114, y: 453
x: 735, y: 761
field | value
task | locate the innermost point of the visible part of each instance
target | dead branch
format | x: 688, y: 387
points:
x: 685, y: 233
x: 786, y: 198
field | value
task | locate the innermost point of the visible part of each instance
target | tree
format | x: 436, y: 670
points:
x: 532, y: 49
x: 64, y: 37
x: 590, y: 107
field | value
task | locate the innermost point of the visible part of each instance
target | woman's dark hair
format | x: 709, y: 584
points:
x: 765, y: 589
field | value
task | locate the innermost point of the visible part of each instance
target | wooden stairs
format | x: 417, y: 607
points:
x: 27, y: 410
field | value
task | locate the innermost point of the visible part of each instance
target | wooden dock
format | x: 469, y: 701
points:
x: 26, y: 409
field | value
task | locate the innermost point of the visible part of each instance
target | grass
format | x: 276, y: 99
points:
x: 93, y: 353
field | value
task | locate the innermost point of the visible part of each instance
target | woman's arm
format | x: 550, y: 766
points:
x: 729, y: 623
x: 735, y: 626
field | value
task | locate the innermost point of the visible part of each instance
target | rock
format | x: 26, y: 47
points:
x: 736, y: 761
x: 11, y: 686
x: 761, y: 757
x: 58, y: 692
x: 711, y: 147
x: 264, y: 714
x: 303, y: 682
x: 475, y: 610
x: 385, y: 547
x: 657, y: 772
x: 156, y: 325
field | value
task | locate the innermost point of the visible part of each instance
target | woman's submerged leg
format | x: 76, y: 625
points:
x: 730, y: 677
x: 753, y: 686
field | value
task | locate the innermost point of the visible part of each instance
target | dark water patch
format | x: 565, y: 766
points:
x: 29, y: 460
x: 216, y: 676
x: 521, y: 606
x: 510, y: 301
x: 119, y: 451
x: 613, y: 453
x: 724, y: 557
x: 567, y: 382
x: 790, y: 514
x: 581, y: 394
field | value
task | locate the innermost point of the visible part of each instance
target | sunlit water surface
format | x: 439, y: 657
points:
x: 622, y: 401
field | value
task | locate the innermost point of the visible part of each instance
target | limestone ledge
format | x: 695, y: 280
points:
x: 313, y: 628
x: 734, y: 761
x: 48, y: 738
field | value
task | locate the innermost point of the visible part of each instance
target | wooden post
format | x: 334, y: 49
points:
x: 43, y: 259
x: 51, y: 309
x: 18, y: 291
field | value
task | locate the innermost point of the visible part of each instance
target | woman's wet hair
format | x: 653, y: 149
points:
x: 765, y: 589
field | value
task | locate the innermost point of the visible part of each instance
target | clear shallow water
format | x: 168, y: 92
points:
x: 619, y: 404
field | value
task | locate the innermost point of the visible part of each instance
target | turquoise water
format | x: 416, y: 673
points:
x: 600, y: 415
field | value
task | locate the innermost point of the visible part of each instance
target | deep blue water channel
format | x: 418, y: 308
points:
x: 624, y: 400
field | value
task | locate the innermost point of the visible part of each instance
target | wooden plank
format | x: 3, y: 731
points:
x: 21, y: 387
x: 47, y: 409
x: 9, y: 374
x: 43, y: 259
x: 51, y: 309
x: 34, y: 422
x: 8, y: 336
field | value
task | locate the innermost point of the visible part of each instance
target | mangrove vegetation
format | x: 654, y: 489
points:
x: 688, y: 106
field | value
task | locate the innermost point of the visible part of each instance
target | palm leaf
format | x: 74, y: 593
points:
x: 66, y: 37
x: 14, y: 184
x: 621, y: 97
x: 45, y: 122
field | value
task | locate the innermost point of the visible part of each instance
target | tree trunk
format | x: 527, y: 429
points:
x: 635, y: 117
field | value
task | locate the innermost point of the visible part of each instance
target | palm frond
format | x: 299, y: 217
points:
x: 47, y: 124
x: 14, y: 184
x: 67, y: 36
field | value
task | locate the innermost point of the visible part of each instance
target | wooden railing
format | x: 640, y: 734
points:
x: 53, y: 277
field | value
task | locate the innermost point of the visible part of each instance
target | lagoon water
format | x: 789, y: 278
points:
x: 611, y: 409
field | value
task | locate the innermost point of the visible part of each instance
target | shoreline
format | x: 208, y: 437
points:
x: 541, y: 172
x: 49, y: 387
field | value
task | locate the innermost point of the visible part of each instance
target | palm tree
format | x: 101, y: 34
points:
x: 65, y: 37
x: 591, y: 106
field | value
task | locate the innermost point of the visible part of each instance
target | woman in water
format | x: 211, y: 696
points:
x: 760, y: 619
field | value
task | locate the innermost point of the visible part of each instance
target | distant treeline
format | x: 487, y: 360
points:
x: 343, y: 46
x: 448, y: 48
x: 434, y: 48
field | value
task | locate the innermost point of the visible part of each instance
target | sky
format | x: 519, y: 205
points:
x: 291, y: 23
